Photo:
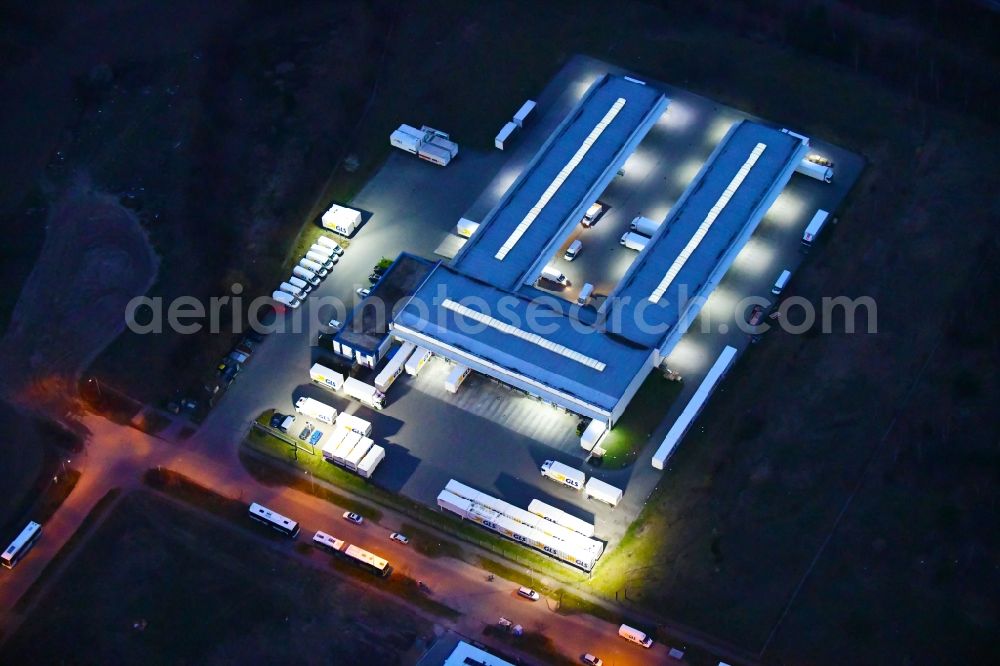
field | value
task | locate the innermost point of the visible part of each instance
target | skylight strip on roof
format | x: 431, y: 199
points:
x: 706, y: 224
x: 560, y: 178
x: 533, y: 338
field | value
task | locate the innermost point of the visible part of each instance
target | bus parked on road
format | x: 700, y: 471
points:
x: 20, y: 546
x: 275, y: 521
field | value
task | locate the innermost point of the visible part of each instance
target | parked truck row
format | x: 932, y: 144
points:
x: 355, y: 388
x: 426, y: 143
x: 577, y: 480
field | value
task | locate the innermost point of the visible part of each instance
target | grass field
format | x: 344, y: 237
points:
x: 203, y: 592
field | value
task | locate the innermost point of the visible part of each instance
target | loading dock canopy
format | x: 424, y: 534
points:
x: 571, y: 169
x: 537, y: 343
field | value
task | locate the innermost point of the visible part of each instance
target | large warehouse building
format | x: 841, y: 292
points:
x: 483, y: 311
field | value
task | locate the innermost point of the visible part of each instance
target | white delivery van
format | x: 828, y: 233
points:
x: 285, y: 298
x: 310, y: 265
x: 634, y: 635
x: 553, y: 275
x: 592, y: 214
x: 779, y: 284
x: 323, y: 260
x: 322, y: 250
x: 634, y: 241
x: 306, y: 274
x: 292, y: 289
x: 326, y: 241
x: 573, y: 250
x: 304, y: 286
x: 585, y: 293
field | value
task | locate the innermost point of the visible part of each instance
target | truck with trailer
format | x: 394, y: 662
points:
x: 455, y: 378
x: 326, y: 377
x: 365, y: 393
x: 286, y: 299
x: 394, y: 367
x: 634, y: 241
x: 603, y: 492
x: 371, y: 460
x: 341, y: 220
x: 808, y: 167
x: 426, y: 143
x: 293, y: 290
x: 315, y: 409
x: 320, y: 271
x: 467, y: 227
x: 306, y: 275
x: 564, y: 474
x: 815, y: 226
x: 644, y: 226
x: 417, y: 361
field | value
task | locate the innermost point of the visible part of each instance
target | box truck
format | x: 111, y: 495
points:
x: 341, y: 220
x: 815, y: 226
x: 318, y: 270
x: 634, y: 635
x: 455, y: 378
x: 467, y: 227
x: 592, y: 214
x: 365, y: 393
x: 286, y: 299
x: 554, y: 275
x: 394, y: 367
x: 326, y: 241
x: 315, y: 409
x: 426, y: 143
x: 557, y: 471
x: 326, y: 377
x: 818, y: 171
x: 306, y: 274
x: 603, y: 492
x: 371, y: 460
x: 300, y: 284
x: 417, y: 361
x: 634, y: 241
x: 644, y: 225
x: 292, y: 289
x: 505, y: 134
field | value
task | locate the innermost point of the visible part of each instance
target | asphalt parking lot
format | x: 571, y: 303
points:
x: 489, y: 436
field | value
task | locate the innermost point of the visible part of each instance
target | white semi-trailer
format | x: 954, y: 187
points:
x: 815, y: 226
x: 289, y: 288
x: 644, y: 225
x: 371, y: 460
x: 522, y: 114
x: 306, y: 274
x: 634, y: 241
x: 394, y: 367
x: 346, y: 445
x: 326, y: 377
x: 560, y: 517
x: 315, y: 409
x: 455, y: 378
x: 317, y: 269
x: 564, y: 474
x: 426, y: 143
x: 341, y: 220
x: 593, y: 434
x: 417, y: 361
x: 285, y: 298
x: 814, y: 170
x: 335, y: 439
x: 604, y: 492
x: 366, y: 393
x: 504, y: 135
x: 359, y: 451
x: 354, y: 424
x: 467, y: 227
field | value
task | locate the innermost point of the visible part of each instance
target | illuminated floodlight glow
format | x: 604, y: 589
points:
x: 560, y: 178
x: 788, y: 210
x: 659, y: 212
x: 686, y: 172
x: 678, y: 117
x: 690, y: 355
x: 639, y: 164
x: 580, y: 87
x: 504, y: 180
x: 720, y: 305
x: 756, y: 259
x: 717, y: 130
x: 707, y: 223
